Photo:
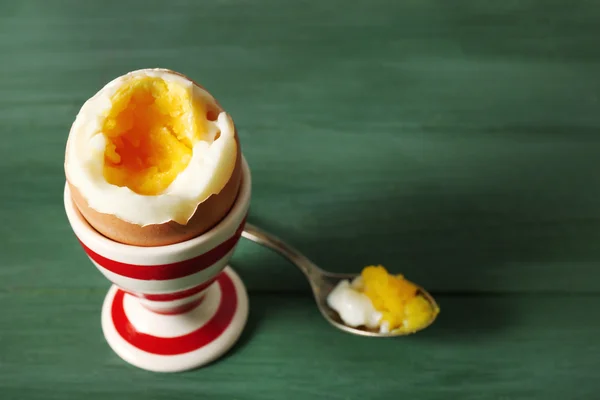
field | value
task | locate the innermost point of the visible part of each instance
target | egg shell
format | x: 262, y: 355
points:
x: 208, y: 213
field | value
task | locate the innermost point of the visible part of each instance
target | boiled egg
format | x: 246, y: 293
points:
x: 153, y: 159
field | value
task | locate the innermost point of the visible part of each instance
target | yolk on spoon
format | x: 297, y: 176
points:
x: 397, y: 299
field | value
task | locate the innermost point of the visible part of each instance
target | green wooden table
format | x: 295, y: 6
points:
x: 454, y: 141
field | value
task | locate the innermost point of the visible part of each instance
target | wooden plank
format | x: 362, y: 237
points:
x: 481, y: 347
x: 454, y: 141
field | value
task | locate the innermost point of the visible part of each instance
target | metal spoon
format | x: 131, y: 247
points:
x: 322, y: 282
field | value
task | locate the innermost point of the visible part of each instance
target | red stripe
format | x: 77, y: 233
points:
x: 177, y: 295
x: 167, y: 271
x: 179, y: 344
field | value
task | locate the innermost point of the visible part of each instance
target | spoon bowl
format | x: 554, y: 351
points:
x: 323, y: 282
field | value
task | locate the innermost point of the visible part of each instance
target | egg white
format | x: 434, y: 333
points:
x: 208, y: 171
x: 354, y: 307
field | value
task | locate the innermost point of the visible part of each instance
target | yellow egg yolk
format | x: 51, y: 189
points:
x: 397, y: 299
x: 150, y: 131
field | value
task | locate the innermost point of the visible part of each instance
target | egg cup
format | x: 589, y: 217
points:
x: 175, y: 307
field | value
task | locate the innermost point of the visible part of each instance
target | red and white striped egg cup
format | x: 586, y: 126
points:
x: 176, y: 307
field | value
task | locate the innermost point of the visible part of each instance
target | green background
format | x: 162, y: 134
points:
x: 453, y: 141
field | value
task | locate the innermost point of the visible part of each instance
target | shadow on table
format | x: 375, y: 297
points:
x: 470, y: 318
x: 260, y: 309
x: 450, y: 239
x: 424, y: 258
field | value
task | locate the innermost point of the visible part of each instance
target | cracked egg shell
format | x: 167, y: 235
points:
x: 152, y: 159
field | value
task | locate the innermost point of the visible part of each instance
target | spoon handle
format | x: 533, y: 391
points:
x: 259, y: 236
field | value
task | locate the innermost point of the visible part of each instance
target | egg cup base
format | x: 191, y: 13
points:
x: 179, y: 342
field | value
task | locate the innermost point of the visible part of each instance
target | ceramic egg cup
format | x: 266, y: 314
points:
x: 171, y: 308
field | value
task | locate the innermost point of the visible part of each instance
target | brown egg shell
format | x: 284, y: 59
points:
x: 207, y: 214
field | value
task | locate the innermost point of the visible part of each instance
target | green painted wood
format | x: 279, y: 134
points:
x: 483, y: 347
x: 453, y: 141
x: 456, y: 142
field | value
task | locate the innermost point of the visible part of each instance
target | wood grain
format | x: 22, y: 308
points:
x: 492, y: 347
x: 454, y: 141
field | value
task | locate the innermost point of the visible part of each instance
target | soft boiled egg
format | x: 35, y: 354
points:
x: 152, y: 159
